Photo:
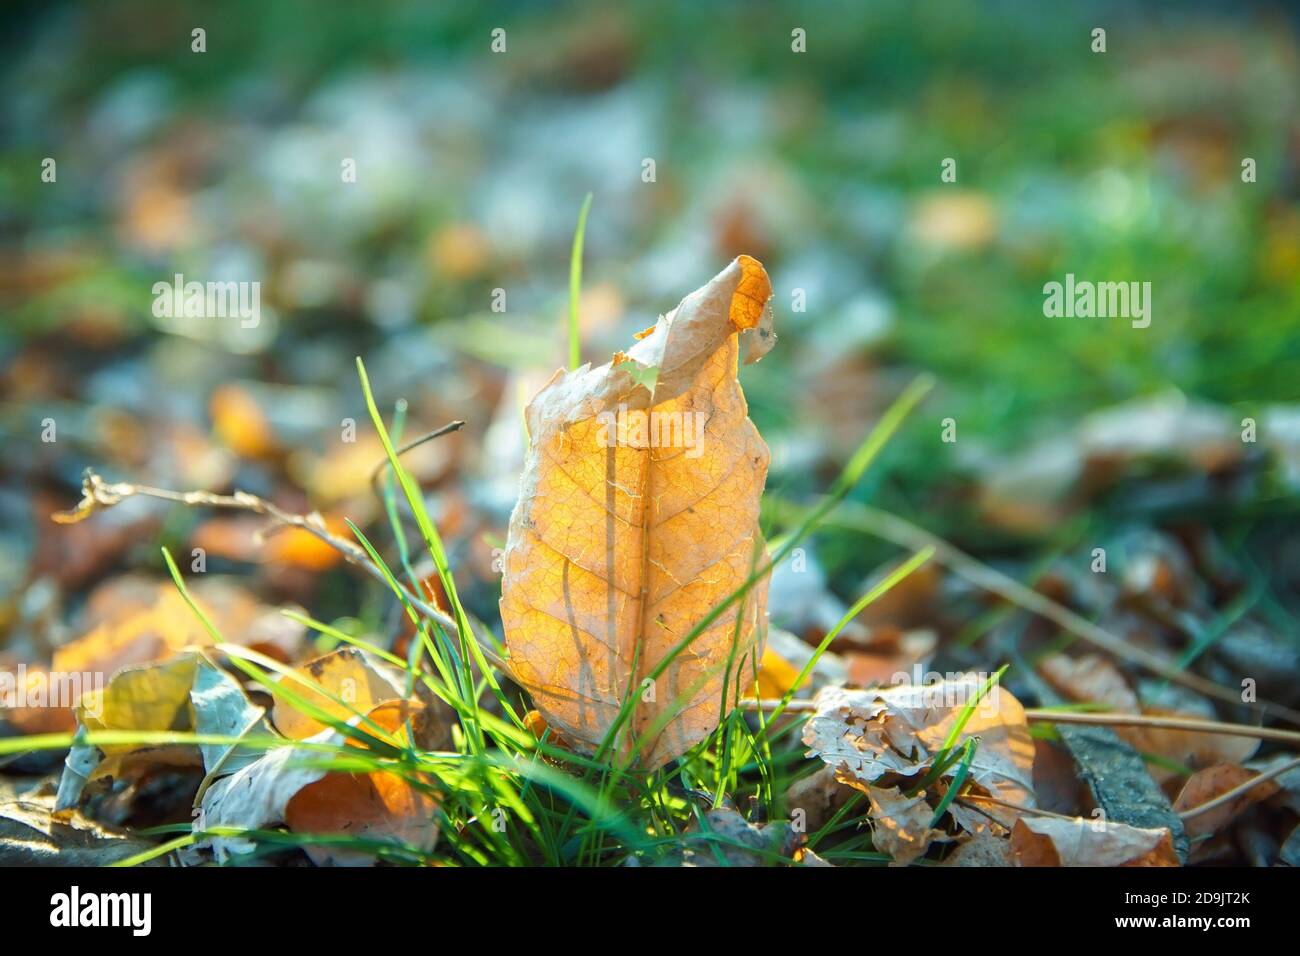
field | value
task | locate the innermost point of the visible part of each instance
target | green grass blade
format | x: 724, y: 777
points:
x: 575, y: 284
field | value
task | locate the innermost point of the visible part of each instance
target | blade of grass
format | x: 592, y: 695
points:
x: 959, y: 778
x: 575, y: 284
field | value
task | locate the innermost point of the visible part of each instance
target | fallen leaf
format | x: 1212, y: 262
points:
x: 1167, y: 426
x: 806, y: 857
x: 34, y: 707
x: 185, y: 693
x: 1288, y: 783
x: 801, y: 602
x: 1029, y: 491
x: 776, y: 675
x: 814, y: 799
x: 895, y: 661
x: 619, y: 546
x: 1092, y: 678
x: 256, y: 796
x: 352, y: 681
x: 912, y: 602
x: 1052, y: 841
x: 1205, y: 785
x: 302, y: 549
x: 372, y: 806
x: 784, y: 658
x: 1096, y: 679
x: 138, y: 621
x: 538, y: 727
x: 866, y: 735
x: 158, y: 631
x: 900, y: 825
x: 287, y: 785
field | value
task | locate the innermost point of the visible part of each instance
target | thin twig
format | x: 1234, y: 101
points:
x: 446, y: 429
x: 1045, y: 716
x: 1229, y: 795
x: 791, y: 706
x: 98, y: 495
x: 1169, y: 723
x: 1035, y: 811
x: 889, y: 526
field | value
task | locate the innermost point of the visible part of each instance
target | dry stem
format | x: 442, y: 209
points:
x: 98, y: 495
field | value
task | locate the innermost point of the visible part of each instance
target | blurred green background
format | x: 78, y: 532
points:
x: 472, y: 165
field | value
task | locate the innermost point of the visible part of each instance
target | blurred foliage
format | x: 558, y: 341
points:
x: 1122, y: 166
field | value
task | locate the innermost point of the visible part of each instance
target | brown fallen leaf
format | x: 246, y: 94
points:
x: 372, y: 806
x: 814, y: 799
x: 867, y: 735
x: 30, y: 701
x: 288, y: 786
x: 1052, y: 841
x: 1090, y: 677
x: 1288, y: 782
x: 1094, y: 678
x: 637, y: 514
x: 911, y: 603
x: 900, y: 825
x: 1205, y: 785
x: 158, y: 631
x: 353, y: 682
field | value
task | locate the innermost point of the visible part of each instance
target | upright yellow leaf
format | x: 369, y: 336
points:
x: 637, y: 514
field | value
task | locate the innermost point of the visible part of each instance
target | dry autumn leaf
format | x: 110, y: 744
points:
x: 901, y: 824
x: 1210, y: 783
x: 287, y: 786
x: 187, y: 692
x: 1093, y: 678
x: 1053, y: 841
x: 350, y: 681
x: 816, y: 798
x: 867, y: 735
x: 637, y: 514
